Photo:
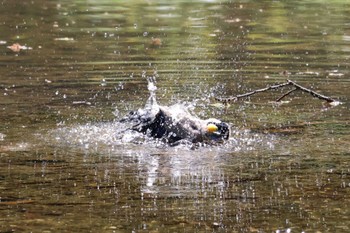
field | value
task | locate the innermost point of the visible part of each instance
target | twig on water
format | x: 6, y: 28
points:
x: 284, y: 95
x: 277, y: 86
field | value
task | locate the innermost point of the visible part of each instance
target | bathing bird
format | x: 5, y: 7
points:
x: 174, y: 124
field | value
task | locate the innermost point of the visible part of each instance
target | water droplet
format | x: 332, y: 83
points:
x: 145, y: 34
x: 103, y: 82
x: 135, y: 25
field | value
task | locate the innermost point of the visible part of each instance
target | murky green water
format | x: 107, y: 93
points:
x: 64, y: 170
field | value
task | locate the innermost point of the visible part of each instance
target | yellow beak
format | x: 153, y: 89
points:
x: 212, y: 128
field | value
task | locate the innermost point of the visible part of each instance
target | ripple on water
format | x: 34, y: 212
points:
x: 112, y: 135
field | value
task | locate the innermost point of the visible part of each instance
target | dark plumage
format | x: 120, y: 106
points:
x: 174, y: 123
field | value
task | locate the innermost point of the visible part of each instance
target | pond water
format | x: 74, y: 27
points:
x: 82, y: 65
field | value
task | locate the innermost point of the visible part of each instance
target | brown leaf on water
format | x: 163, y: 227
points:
x: 16, y: 47
x: 156, y: 41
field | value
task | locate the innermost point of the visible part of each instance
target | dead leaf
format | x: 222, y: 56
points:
x: 17, y: 47
x: 156, y: 41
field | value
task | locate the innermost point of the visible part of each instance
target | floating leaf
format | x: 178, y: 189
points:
x: 156, y: 41
x: 17, y: 47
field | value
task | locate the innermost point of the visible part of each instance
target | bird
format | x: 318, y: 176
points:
x: 173, y: 124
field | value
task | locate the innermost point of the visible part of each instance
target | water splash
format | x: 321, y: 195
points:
x: 109, y: 137
x: 118, y: 133
x: 151, y: 103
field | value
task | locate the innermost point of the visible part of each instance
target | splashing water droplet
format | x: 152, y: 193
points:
x: 152, y: 102
x: 151, y: 86
x: 103, y: 82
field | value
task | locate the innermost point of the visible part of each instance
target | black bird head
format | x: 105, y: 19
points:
x: 217, y: 130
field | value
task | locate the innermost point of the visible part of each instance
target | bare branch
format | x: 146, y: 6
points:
x: 313, y: 93
x: 277, y: 86
x: 235, y: 98
x: 286, y: 94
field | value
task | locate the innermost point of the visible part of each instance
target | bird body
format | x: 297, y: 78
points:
x: 175, y: 123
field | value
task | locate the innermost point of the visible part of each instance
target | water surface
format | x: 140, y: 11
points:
x: 65, y: 168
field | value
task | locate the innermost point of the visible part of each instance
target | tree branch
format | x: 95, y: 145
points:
x: 284, y: 95
x: 313, y: 93
x: 277, y: 86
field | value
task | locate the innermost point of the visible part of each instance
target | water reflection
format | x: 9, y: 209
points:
x: 172, y: 175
